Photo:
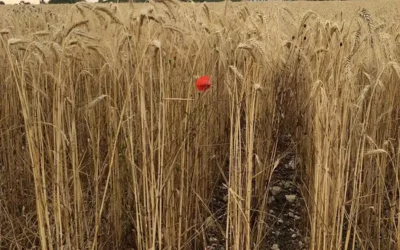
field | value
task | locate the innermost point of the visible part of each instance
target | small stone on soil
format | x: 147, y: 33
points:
x: 287, y: 184
x: 275, y: 247
x: 271, y: 199
x: 275, y: 190
x: 290, y: 197
x: 291, y: 164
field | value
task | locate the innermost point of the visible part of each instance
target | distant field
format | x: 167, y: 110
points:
x: 326, y: 8
x: 106, y: 143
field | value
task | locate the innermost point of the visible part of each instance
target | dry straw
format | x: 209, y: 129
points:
x: 107, y: 144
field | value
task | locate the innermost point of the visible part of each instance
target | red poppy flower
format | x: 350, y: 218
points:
x: 203, y: 83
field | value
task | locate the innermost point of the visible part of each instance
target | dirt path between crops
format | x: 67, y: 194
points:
x: 287, y: 218
x: 287, y: 213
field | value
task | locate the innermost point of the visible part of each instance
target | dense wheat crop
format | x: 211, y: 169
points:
x: 105, y: 143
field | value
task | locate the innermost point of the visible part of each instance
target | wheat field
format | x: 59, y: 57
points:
x: 105, y: 143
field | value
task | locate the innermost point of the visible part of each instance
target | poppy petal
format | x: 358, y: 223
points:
x: 203, y: 83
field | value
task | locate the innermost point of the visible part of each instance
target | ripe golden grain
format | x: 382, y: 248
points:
x: 106, y: 143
